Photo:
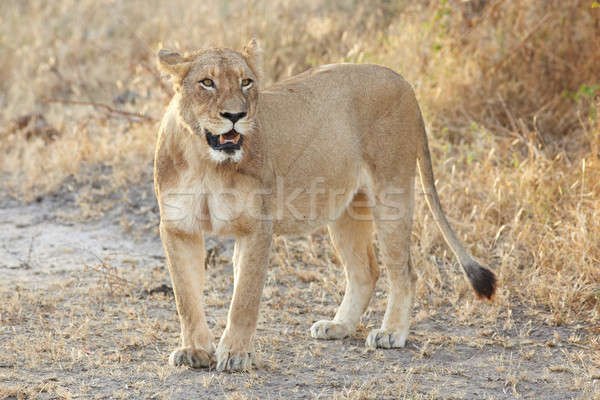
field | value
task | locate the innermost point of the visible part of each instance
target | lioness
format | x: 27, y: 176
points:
x: 337, y: 145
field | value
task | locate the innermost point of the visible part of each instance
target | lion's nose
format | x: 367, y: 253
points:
x: 233, y: 117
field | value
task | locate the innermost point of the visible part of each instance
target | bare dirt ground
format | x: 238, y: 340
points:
x: 87, y: 312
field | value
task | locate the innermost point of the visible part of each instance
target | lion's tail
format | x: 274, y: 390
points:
x: 482, y: 279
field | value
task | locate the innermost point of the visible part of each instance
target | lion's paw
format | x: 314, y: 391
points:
x: 195, y: 358
x: 329, y: 330
x: 233, y: 362
x: 378, y: 338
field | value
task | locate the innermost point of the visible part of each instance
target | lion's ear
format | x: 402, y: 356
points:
x: 174, y: 65
x: 253, y: 55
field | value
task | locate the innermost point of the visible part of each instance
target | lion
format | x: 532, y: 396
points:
x: 336, y: 146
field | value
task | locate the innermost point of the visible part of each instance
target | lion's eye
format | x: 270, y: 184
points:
x: 207, y: 82
x: 246, y: 82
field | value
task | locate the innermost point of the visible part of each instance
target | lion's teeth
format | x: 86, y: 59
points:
x: 221, y: 139
x: 237, y: 138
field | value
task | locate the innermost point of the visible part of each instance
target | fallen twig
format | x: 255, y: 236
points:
x: 101, y: 105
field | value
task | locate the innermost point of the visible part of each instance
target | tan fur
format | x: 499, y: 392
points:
x: 337, y: 145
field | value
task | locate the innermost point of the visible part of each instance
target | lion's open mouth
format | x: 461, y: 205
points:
x: 229, y: 142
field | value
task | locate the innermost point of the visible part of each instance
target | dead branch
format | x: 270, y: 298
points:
x: 103, y: 106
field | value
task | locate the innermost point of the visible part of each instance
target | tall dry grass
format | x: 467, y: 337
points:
x: 509, y: 91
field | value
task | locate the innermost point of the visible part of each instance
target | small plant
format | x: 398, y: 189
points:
x: 109, y: 276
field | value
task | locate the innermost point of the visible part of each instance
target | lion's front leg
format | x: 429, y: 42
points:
x: 236, y: 349
x: 185, y: 256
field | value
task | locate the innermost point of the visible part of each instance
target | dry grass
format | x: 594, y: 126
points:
x: 510, y: 95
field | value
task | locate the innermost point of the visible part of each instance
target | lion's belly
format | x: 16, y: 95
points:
x: 302, y: 205
x: 313, y: 187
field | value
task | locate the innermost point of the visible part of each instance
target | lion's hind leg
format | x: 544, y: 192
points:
x: 352, y: 236
x: 393, y: 223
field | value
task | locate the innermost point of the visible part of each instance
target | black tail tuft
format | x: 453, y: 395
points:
x: 482, y: 279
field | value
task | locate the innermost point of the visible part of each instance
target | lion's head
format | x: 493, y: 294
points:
x: 217, y: 93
